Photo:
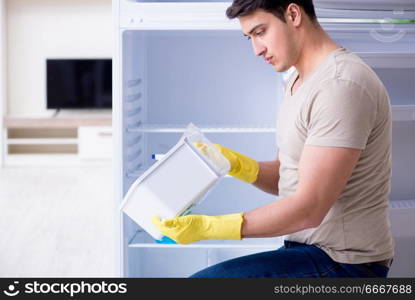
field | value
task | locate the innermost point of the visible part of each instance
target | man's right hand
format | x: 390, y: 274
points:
x: 242, y: 167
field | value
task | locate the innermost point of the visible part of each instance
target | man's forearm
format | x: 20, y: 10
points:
x: 268, y: 176
x: 278, y: 218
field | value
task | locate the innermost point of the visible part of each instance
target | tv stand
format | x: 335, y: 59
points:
x: 56, y: 113
x: 86, y: 137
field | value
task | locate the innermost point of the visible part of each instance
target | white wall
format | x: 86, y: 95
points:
x: 40, y: 29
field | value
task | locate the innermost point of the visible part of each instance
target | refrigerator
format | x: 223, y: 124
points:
x: 184, y: 62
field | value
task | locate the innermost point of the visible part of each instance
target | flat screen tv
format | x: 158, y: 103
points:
x: 79, y: 83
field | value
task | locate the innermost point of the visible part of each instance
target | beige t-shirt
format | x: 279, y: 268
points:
x: 342, y: 104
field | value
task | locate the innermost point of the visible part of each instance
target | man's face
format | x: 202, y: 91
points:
x: 271, y: 38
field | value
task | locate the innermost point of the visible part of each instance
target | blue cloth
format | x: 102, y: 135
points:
x: 165, y: 240
x: 291, y: 260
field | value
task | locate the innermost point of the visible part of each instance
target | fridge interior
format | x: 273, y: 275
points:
x: 205, y: 77
x: 211, y: 78
x: 208, y: 78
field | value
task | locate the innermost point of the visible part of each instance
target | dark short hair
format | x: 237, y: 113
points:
x: 241, y: 8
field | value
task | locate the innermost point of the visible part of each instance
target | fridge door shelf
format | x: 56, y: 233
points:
x: 403, y: 112
x: 403, y: 164
x: 402, y: 215
x: 366, y: 4
x: 394, y: 60
x: 402, y: 204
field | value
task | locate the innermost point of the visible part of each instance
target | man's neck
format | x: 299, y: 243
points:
x: 316, y: 47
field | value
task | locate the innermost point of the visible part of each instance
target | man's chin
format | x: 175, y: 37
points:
x: 281, y: 68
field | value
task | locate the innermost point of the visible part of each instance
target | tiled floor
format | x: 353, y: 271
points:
x: 57, y: 221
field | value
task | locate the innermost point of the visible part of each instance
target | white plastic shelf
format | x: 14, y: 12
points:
x: 143, y: 240
x: 180, y: 128
x: 399, y: 113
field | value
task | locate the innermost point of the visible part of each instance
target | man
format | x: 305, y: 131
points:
x: 332, y: 172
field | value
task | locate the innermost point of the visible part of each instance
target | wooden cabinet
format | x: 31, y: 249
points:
x: 85, y: 138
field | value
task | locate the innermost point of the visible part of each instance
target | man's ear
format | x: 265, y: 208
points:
x: 294, y: 14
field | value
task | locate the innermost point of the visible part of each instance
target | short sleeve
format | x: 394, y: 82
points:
x: 340, y: 113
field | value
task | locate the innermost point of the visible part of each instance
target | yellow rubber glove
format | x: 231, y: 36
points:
x: 242, y: 167
x: 193, y: 228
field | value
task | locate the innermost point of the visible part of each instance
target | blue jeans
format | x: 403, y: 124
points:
x: 291, y: 260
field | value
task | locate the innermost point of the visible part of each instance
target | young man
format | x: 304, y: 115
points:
x: 332, y: 172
